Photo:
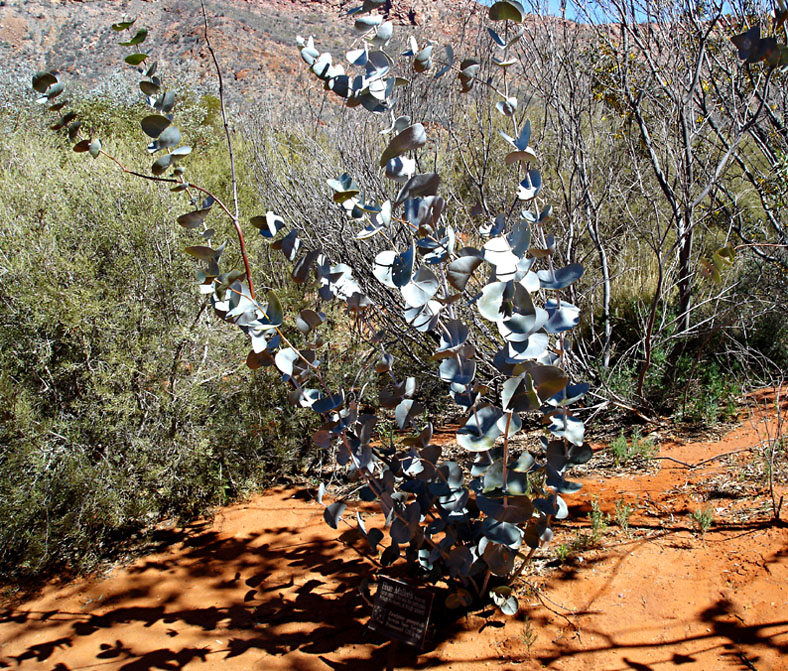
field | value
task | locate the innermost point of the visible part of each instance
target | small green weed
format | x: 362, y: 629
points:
x: 528, y: 636
x: 625, y: 451
x: 622, y: 514
x: 599, y: 521
x: 709, y: 392
x: 703, y: 518
x: 387, y: 433
x: 620, y: 448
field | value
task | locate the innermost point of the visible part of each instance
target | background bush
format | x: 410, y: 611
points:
x: 122, y: 400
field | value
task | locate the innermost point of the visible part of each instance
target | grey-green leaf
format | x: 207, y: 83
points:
x: 509, y: 606
x: 496, y: 38
x: 420, y: 290
x: 329, y: 403
x: 52, y: 92
x: 284, y: 360
x: 302, y: 267
x: 518, y: 395
x: 135, y: 59
x: 457, y: 370
x: 122, y: 25
x: 469, y: 68
x: 269, y: 225
x: 412, y: 137
x: 423, y: 60
x: 149, y: 88
x: 166, y: 102
x: 153, y: 125
x: 561, y: 278
x: 169, y: 137
x: 570, y: 394
x: 365, y: 23
x: 561, y: 319
x: 405, y: 412
x: 344, y: 187
x: 43, y: 80
x: 454, y: 334
x: 530, y: 186
x: 507, y: 107
x: 448, y: 64
x: 495, y: 303
x: 503, y: 533
x: 192, y: 220
x: 392, y: 269
x: 333, y: 512
x: 460, y: 270
x: 383, y: 34
x: 419, y: 185
x: 161, y: 165
x: 308, y: 320
x: 481, y: 430
x: 499, y: 558
x: 139, y: 38
x: 274, y: 311
x: 569, y: 427
x: 507, y: 10
x: 201, y: 252
x: 384, y: 364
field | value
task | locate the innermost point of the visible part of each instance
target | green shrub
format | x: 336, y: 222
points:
x: 703, y: 518
x: 121, y: 399
x: 622, y: 514
x: 625, y: 451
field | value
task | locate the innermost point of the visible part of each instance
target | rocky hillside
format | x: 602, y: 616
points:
x: 254, y: 38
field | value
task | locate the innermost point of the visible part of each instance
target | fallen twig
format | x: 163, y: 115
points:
x: 543, y: 597
x: 686, y: 464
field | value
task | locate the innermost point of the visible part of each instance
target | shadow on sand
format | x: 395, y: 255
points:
x: 291, y: 600
x: 254, y: 593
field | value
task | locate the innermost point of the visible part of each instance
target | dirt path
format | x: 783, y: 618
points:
x: 267, y: 585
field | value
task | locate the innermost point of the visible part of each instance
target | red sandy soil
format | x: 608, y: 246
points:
x: 267, y: 585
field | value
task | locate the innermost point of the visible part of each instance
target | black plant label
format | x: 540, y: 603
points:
x: 401, y: 611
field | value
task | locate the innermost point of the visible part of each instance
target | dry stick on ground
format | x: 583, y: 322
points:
x: 543, y: 597
x: 706, y: 461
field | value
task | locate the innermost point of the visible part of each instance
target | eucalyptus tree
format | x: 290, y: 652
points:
x: 441, y: 290
x: 502, y: 292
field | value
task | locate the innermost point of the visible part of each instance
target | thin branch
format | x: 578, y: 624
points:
x: 128, y: 171
x: 228, y: 136
x: 170, y: 180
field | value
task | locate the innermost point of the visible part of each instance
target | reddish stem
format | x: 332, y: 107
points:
x: 236, y: 224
